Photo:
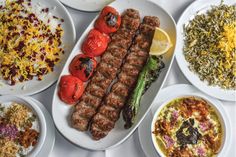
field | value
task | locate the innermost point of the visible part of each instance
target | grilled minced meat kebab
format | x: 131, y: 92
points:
x: 104, y: 120
x: 106, y: 71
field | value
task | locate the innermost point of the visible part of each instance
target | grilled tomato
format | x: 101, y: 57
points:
x: 82, y: 66
x: 95, y: 43
x: 108, y: 21
x: 71, y: 89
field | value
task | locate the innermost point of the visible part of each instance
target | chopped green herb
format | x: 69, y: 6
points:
x: 2, y: 109
x: 210, y: 46
x: 32, y: 118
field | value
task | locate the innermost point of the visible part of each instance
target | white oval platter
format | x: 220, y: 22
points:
x: 61, y: 112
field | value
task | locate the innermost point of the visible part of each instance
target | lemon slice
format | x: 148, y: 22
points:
x: 161, y: 42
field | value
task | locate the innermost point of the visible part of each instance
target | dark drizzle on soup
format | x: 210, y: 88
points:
x: 187, y: 134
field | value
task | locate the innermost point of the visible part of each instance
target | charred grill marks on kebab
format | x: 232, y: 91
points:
x: 106, y: 70
x: 104, y: 120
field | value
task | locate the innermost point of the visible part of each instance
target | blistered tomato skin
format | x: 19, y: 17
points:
x: 70, y: 89
x: 108, y: 21
x: 95, y: 43
x: 82, y: 67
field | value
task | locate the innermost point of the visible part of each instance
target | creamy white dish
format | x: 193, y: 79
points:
x: 19, y: 130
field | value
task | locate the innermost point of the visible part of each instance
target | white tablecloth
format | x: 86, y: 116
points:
x: 131, y: 147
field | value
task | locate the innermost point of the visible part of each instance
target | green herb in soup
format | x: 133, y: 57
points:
x: 188, y: 126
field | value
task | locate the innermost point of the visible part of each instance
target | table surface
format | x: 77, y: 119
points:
x: 131, y: 147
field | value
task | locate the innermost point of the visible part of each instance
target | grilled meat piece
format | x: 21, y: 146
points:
x: 118, y: 53
x: 95, y: 90
x: 152, y: 21
x: 90, y: 100
x: 79, y: 122
x: 134, y: 60
x: 126, y: 34
x: 109, y: 112
x: 114, y: 100
x: 108, y: 58
x: 131, y: 70
x: 107, y: 70
x: 84, y: 110
x: 124, y: 78
x: 102, y: 123
x: 100, y: 80
x: 120, y: 89
x: 105, y: 73
x: 95, y: 130
x: 121, y: 43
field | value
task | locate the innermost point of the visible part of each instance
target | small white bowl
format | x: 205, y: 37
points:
x: 213, y: 103
x: 37, y: 111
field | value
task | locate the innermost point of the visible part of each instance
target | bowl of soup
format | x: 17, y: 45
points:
x: 188, y: 125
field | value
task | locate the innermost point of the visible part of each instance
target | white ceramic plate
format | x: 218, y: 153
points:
x: 61, y: 112
x: 188, y: 14
x: 144, y: 131
x: 86, y: 5
x: 34, y: 86
x: 37, y: 111
x: 50, y: 133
